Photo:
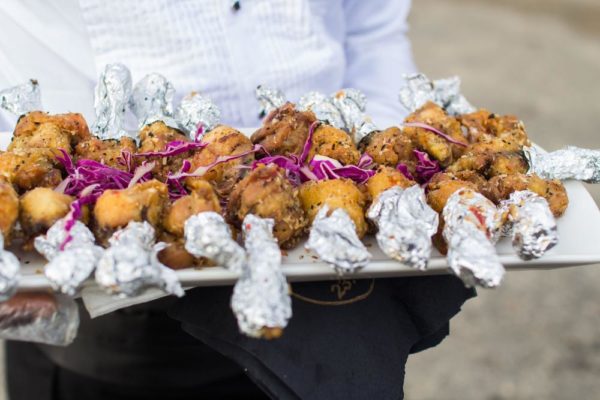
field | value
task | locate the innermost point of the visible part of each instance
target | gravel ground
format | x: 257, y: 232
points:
x: 538, y: 336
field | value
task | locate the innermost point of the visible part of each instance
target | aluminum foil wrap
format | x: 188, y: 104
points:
x: 22, y: 99
x: 68, y: 268
x: 152, y: 100
x: 472, y: 225
x: 197, y: 111
x: 110, y: 102
x: 268, y: 99
x: 10, y: 272
x: 208, y: 235
x: 444, y: 92
x: 334, y: 240
x: 352, y: 105
x: 261, y: 301
x: 39, y: 317
x: 568, y: 163
x: 405, y: 225
x: 323, y: 108
x: 530, y: 224
x: 130, y: 264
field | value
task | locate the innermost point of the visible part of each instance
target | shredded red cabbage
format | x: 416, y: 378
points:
x: 328, y: 168
x: 174, y: 148
x: 436, y: 131
x: 425, y: 169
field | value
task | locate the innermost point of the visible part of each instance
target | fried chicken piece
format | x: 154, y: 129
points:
x: 107, y: 152
x: 203, y: 198
x: 175, y: 256
x: 334, y: 143
x: 266, y: 193
x: 433, y: 144
x: 500, y: 187
x: 475, y: 124
x: 222, y: 141
x: 490, y: 163
x: 9, y: 202
x: 507, y: 163
x: 385, y: 178
x: 47, y: 136
x: 41, y: 208
x: 30, y: 168
x: 389, y: 147
x: 483, y: 126
x: 72, y: 123
x: 336, y: 193
x: 145, y: 201
x: 284, y: 131
x: 442, y: 186
x: 155, y: 137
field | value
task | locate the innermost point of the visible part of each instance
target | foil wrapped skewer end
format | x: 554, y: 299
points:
x: 323, y: 108
x: 333, y: 238
x: 472, y: 224
x: 405, y: 225
x: 444, y: 92
x: 530, y: 224
x: 152, y: 100
x: 10, y: 272
x: 568, y: 163
x: 110, y: 102
x: 130, y: 264
x: 352, y: 104
x: 197, y: 112
x: 22, y: 99
x: 208, y: 235
x: 261, y: 301
x: 268, y: 99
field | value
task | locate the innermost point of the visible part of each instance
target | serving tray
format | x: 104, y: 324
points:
x: 579, y: 244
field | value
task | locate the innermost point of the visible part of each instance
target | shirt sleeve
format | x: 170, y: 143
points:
x: 378, y: 53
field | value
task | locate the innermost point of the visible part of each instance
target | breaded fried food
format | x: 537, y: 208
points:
x: 9, y: 204
x: 203, y: 198
x: 145, y: 201
x: 500, y: 187
x: 41, y: 208
x: 73, y: 124
x: 389, y: 147
x: 334, y: 143
x: 384, y: 179
x: 489, y: 163
x: 284, y: 131
x: 336, y: 193
x: 155, y: 137
x: 266, y: 193
x: 30, y: 168
x: 431, y: 143
x: 442, y: 186
x: 107, y: 152
x: 222, y: 141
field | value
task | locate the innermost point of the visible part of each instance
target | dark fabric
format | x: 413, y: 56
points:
x: 33, y: 376
x: 141, y: 345
x: 352, y: 351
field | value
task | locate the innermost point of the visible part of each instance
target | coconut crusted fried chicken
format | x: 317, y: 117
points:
x: 114, y: 209
x: 222, y: 141
x: 202, y: 198
x: 284, y: 131
x: 267, y: 193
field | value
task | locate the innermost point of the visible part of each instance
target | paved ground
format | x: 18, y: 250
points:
x: 537, y: 337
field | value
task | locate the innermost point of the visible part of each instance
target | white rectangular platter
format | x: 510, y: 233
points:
x: 579, y: 244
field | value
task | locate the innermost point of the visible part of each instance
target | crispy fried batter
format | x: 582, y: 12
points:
x: 155, y: 137
x: 41, y: 208
x: 145, y: 201
x: 72, y: 123
x: 9, y: 203
x: 334, y: 143
x: 436, y: 146
x: 500, y: 187
x: 285, y: 130
x: 266, y: 192
x: 202, y: 198
x: 336, y: 193
x: 441, y: 187
x: 30, y: 168
x: 389, y: 147
x: 107, y: 152
x: 222, y: 141
x: 385, y: 178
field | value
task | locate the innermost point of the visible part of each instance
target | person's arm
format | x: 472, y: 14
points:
x: 378, y: 53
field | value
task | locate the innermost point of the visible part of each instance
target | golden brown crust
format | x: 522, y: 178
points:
x: 107, y: 152
x: 266, y: 192
x: 336, y: 193
x: 389, y: 147
x: 9, y: 203
x: 41, y: 208
x: 284, y: 131
x: 334, y: 143
x: 385, y: 178
x: 203, y: 198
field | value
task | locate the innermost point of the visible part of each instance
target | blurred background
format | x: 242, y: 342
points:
x: 538, y: 336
